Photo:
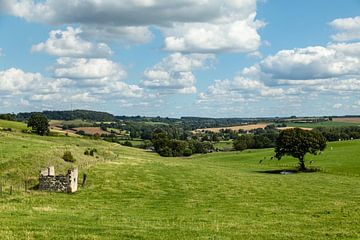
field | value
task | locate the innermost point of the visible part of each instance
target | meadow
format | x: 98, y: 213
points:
x: 133, y: 194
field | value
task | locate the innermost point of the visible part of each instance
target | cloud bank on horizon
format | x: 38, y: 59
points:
x: 192, y: 38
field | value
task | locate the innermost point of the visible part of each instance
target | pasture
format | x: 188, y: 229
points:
x: 133, y: 194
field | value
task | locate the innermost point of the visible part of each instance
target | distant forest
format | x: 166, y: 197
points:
x: 65, y: 115
x: 186, y: 123
x: 189, y: 123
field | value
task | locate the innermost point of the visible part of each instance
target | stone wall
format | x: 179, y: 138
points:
x: 53, y: 183
x: 48, y: 181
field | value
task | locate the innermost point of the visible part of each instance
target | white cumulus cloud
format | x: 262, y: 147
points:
x: 102, y: 76
x: 89, y: 72
x: 226, y: 35
x: 316, y: 62
x: 301, y: 73
x: 347, y: 29
x: 188, y: 25
x: 175, y: 72
x: 16, y: 81
x: 68, y: 43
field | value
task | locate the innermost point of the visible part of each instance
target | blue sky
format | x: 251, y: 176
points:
x: 230, y: 58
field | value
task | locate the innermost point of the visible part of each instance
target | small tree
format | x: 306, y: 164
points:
x: 39, y: 123
x: 297, y: 142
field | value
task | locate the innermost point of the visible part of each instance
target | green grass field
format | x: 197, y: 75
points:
x: 224, y: 145
x: 133, y: 194
x: 13, y: 125
x: 321, y: 124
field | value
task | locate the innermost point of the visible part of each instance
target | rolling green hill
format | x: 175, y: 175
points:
x: 133, y: 194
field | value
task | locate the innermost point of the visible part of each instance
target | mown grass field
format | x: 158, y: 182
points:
x: 133, y: 194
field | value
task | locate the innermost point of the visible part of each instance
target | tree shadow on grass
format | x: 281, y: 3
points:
x: 289, y: 171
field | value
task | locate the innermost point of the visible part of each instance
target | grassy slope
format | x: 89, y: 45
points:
x: 133, y: 194
x: 13, y: 125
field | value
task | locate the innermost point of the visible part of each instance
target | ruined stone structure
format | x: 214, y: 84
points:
x: 48, y: 181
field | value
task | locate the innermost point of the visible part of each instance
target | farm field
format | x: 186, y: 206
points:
x: 347, y: 120
x: 133, y: 194
x: 235, y: 128
x: 91, y: 130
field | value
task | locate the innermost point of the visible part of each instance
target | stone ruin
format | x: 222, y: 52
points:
x: 48, y: 181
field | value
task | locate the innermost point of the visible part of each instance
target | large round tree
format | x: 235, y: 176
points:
x: 297, y: 143
x: 39, y: 123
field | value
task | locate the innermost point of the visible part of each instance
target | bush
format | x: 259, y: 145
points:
x: 68, y: 157
x: 187, y: 152
x: 93, y: 151
x: 90, y: 152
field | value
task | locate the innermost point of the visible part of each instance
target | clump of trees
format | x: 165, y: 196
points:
x: 297, y: 143
x: 39, y: 124
x: 168, y: 147
x: 257, y: 138
x: 72, y: 115
x: 8, y: 117
x: 339, y: 133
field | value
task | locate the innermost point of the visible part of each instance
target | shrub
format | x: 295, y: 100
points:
x: 187, y: 152
x: 90, y: 152
x: 93, y: 151
x: 68, y: 157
